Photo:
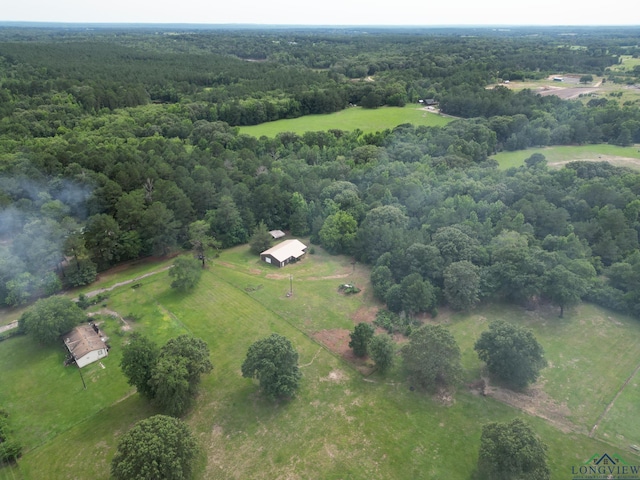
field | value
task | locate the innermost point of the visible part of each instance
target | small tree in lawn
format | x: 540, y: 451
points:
x: 200, y: 239
x: 186, y: 273
x: 176, y: 374
x: 432, y: 357
x: 170, y: 384
x: 274, y: 362
x: 511, y: 353
x: 156, y: 448
x: 586, y: 79
x: 512, y: 451
x: 564, y: 287
x: 360, y: 338
x: 382, y: 350
x: 261, y: 239
x: 139, y: 357
x: 169, y: 376
x: 51, y: 317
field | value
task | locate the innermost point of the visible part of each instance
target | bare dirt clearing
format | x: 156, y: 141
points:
x: 536, y: 402
x: 365, y: 314
x: 566, y: 93
x: 337, y: 341
x: 112, y: 313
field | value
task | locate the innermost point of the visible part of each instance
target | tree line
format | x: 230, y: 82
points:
x: 83, y: 189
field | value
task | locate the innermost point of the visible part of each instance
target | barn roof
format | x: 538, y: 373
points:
x: 287, y: 249
x: 82, y: 340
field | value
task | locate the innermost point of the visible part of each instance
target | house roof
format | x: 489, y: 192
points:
x: 82, y: 340
x: 287, y: 249
x: 277, y: 233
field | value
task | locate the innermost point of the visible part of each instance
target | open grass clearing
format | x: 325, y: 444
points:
x: 620, y: 425
x: 339, y: 426
x: 627, y: 63
x: 558, y: 156
x: 45, y: 398
x: 580, y: 381
x: 367, y: 120
x: 124, y: 273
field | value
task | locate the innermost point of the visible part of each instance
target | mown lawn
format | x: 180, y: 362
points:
x: 621, y: 424
x: 367, y: 120
x: 340, y: 425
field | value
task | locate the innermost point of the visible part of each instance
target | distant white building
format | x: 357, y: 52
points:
x: 277, y: 234
x: 285, y: 252
x: 86, y: 345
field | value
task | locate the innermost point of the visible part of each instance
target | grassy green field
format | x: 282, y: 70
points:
x: 353, y: 118
x: 341, y: 425
x: 626, y: 65
x: 558, y: 156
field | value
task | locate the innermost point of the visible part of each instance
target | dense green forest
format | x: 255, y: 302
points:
x: 114, y: 141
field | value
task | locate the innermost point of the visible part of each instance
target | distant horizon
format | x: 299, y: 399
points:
x: 329, y: 13
x: 308, y: 25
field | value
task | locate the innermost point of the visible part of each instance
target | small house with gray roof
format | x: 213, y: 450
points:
x: 85, y: 344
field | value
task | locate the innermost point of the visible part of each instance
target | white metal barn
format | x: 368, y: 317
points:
x: 86, y: 345
x: 285, y: 252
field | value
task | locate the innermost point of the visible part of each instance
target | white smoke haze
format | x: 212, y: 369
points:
x: 40, y: 230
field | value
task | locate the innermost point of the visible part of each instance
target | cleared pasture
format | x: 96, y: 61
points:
x: 571, y: 88
x: 341, y: 425
x: 367, y: 120
x: 580, y: 381
x: 558, y: 156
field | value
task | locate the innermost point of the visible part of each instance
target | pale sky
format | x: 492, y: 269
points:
x: 328, y: 12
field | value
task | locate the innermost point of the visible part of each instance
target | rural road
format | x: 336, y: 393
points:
x: 93, y: 293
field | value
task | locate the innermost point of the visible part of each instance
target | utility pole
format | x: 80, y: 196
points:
x: 290, y: 284
x: 82, y: 378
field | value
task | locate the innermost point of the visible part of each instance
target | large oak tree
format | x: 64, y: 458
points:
x: 511, y: 353
x: 274, y: 362
x: 432, y: 357
x: 156, y: 448
x: 51, y: 317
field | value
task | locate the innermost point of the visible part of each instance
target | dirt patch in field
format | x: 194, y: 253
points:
x: 337, y: 340
x: 536, y: 402
x: 444, y: 397
x: 227, y: 265
x: 336, y: 376
x: 105, y: 311
x: 330, y: 277
x: 566, y: 93
x: 628, y: 162
x: 365, y: 314
x: 276, y: 276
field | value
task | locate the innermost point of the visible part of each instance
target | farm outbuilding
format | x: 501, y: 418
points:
x: 277, y: 234
x: 285, y: 252
x: 85, y: 344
